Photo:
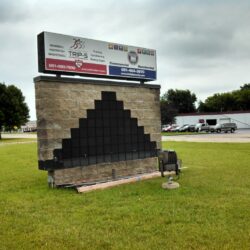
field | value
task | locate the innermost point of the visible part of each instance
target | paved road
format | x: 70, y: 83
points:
x: 242, y: 136
x: 18, y: 136
x: 238, y: 136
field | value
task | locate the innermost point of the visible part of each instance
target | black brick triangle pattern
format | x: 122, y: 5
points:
x: 108, y: 134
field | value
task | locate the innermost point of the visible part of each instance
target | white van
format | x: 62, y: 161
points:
x: 225, y: 127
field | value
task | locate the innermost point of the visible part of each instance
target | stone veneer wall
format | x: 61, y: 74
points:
x: 104, y: 171
x: 60, y: 102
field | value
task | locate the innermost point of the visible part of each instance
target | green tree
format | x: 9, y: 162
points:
x: 242, y: 98
x: 245, y: 86
x: 174, y: 102
x: 182, y: 100
x: 168, y: 112
x: 230, y: 101
x: 219, y: 103
x: 14, y: 112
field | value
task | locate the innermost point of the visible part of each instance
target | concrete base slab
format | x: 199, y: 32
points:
x: 170, y: 185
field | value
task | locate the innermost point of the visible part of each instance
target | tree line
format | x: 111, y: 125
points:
x: 177, y: 101
x: 14, y: 112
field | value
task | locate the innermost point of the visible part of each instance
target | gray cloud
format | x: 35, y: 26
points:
x: 201, y: 45
x: 13, y: 11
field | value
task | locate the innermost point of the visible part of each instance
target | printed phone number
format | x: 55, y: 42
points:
x: 134, y: 71
x: 59, y: 66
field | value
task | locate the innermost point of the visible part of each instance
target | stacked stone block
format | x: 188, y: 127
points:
x: 61, y: 102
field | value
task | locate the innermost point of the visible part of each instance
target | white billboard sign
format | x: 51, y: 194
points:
x: 62, y: 54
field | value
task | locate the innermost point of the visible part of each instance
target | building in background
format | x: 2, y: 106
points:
x: 30, y: 126
x: 241, y: 118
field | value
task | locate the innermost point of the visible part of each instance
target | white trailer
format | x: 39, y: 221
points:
x: 242, y: 119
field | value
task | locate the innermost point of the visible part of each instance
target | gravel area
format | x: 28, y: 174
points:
x: 240, y: 136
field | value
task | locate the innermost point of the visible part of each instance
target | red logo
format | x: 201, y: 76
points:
x: 78, y: 63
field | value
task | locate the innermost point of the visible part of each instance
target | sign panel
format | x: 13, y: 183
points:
x: 62, y: 54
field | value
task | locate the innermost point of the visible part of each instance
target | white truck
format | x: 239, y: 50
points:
x: 202, y: 127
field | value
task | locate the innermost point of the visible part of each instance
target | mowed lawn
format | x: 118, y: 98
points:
x: 211, y: 210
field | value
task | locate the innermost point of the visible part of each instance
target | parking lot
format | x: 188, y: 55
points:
x: 241, y: 135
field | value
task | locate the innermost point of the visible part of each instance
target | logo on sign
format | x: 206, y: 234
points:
x: 78, y: 63
x: 76, y: 54
x: 77, y: 44
x: 132, y: 57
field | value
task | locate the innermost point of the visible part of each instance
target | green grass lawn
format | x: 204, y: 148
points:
x: 211, y: 210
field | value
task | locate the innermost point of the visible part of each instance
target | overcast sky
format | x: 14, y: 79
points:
x: 203, y: 46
